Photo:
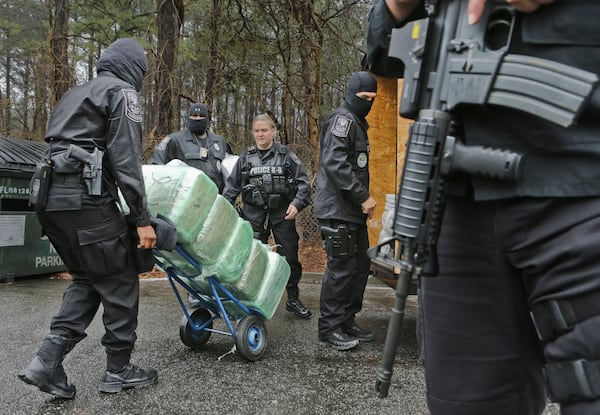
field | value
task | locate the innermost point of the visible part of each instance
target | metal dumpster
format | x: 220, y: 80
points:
x: 23, y: 250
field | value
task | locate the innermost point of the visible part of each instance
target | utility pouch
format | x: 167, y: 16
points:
x: 280, y: 185
x: 257, y: 197
x: 252, y: 195
x: 274, y: 201
x: 339, y: 241
x: 267, y: 184
x: 39, y: 186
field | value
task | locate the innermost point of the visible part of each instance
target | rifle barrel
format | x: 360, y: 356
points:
x: 384, y: 372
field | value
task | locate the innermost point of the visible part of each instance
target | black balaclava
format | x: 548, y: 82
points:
x: 125, y: 59
x: 360, y: 82
x: 198, y: 127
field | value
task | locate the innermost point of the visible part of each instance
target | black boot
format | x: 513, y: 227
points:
x: 46, y: 371
x: 338, y: 340
x: 295, y: 306
x: 354, y: 330
x: 129, y: 377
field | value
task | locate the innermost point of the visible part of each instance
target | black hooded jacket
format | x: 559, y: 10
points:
x: 105, y: 113
x: 343, y: 173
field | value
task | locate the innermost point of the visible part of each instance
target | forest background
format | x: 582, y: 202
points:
x: 288, y: 58
x: 241, y: 57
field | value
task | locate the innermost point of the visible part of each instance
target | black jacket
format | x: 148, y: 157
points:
x: 343, y: 173
x: 104, y: 113
x: 205, y: 154
x: 557, y: 161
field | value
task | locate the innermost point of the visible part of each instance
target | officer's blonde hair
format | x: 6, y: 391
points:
x: 266, y: 118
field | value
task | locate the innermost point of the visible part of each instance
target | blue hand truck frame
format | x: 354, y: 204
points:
x: 245, y: 325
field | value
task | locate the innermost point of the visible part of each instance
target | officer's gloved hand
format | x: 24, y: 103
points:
x: 166, y: 232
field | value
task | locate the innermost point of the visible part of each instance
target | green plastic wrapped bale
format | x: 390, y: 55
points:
x: 249, y: 283
x: 215, y: 234
x: 273, y: 285
x: 175, y: 190
x: 234, y: 253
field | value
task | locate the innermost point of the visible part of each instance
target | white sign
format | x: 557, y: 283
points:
x: 12, y: 230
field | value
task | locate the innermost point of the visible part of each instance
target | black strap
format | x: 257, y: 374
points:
x: 574, y: 381
x: 66, y: 178
x: 253, y: 159
x: 554, y: 317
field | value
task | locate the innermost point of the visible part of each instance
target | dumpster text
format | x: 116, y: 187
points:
x: 49, y: 260
x: 13, y: 190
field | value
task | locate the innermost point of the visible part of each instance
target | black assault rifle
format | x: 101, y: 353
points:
x: 448, y: 63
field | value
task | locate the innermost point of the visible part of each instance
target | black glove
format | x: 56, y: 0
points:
x: 166, y: 232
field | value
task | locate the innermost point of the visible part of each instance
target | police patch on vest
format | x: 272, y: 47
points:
x: 133, y: 110
x: 361, y: 160
x: 217, y: 146
x: 341, y: 126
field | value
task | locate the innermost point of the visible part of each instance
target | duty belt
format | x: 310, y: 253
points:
x: 66, y: 178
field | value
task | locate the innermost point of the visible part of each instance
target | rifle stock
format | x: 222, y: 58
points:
x: 448, y: 63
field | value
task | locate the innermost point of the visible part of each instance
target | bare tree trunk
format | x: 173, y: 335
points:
x: 311, y: 44
x: 286, y: 114
x: 1, y: 113
x: 317, y: 90
x: 214, y: 18
x: 62, y: 78
x: 170, y: 18
x: 40, y: 96
x: 6, y: 121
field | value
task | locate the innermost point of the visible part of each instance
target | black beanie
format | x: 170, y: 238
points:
x: 362, y: 82
x: 198, y: 109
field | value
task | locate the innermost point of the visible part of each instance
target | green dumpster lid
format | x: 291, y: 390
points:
x: 20, y: 155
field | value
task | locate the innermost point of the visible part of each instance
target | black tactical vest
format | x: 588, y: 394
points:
x: 267, y: 182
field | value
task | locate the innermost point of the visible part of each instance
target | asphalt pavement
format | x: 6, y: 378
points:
x: 295, y: 376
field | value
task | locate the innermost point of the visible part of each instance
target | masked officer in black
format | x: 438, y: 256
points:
x: 274, y: 188
x: 342, y: 205
x: 517, y: 256
x: 95, y: 137
x: 196, y: 146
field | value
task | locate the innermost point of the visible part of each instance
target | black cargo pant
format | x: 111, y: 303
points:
x: 286, y: 237
x: 94, y: 244
x: 497, y: 260
x: 344, y: 282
